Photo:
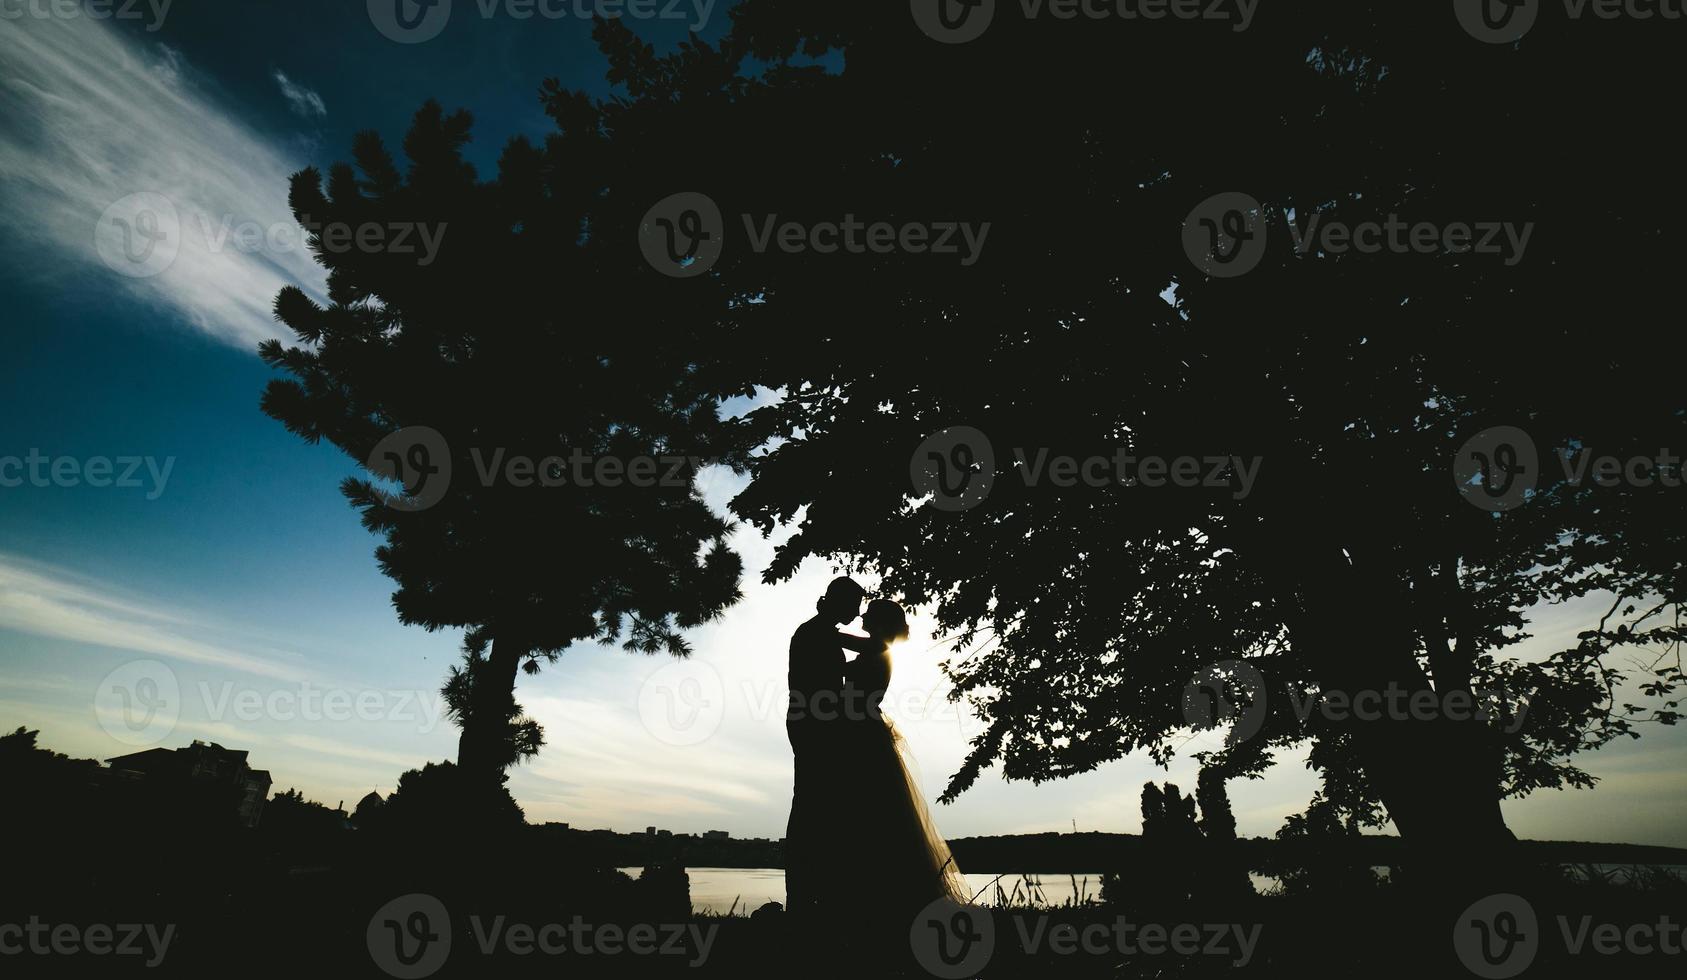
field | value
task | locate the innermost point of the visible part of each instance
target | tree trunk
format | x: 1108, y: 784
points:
x: 482, y: 746
x: 1439, y: 778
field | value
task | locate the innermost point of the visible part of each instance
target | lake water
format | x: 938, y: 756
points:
x: 720, y: 889
x: 747, y: 889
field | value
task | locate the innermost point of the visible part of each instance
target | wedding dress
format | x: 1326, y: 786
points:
x: 897, y: 854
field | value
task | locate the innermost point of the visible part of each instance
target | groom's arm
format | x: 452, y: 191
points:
x: 857, y: 644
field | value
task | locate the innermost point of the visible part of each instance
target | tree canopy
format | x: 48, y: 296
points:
x: 1356, y: 380
x: 1351, y: 388
x: 492, y: 370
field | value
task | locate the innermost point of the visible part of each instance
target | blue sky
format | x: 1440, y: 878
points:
x: 246, y: 575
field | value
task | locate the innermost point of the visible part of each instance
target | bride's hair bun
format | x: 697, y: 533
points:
x: 891, y: 614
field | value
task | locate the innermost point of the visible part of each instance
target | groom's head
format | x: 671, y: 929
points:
x: 842, y: 601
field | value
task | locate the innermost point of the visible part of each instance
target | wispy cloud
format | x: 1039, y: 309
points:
x: 300, y: 99
x: 603, y: 768
x: 395, y: 762
x: 93, y: 119
x: 43, y: 601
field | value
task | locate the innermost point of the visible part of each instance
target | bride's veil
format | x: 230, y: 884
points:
x: 941, y: 863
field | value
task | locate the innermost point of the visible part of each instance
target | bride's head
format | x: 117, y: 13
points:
x: 885, y: 621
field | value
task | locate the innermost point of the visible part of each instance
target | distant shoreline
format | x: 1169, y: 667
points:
x: 1080, y: 853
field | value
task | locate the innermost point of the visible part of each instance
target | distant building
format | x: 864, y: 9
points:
x: 203, y: 762
x: 368, y: 810
x: 650, y: 831
x: 255, y: 793
x: 716, y: 835
x: 664, y: 833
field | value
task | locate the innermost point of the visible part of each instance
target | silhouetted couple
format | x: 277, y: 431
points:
x: 860, y: 842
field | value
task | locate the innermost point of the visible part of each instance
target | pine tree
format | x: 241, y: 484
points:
x: 527, y: 337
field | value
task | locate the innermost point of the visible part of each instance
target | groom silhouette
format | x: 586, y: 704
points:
x: 813, y: 718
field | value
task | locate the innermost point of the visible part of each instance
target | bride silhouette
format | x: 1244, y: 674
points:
x: 897, y: 861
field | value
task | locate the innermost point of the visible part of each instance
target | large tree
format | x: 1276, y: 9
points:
x: 1353, y: 563
x: 524, y: 338
x: 1083, y: 328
